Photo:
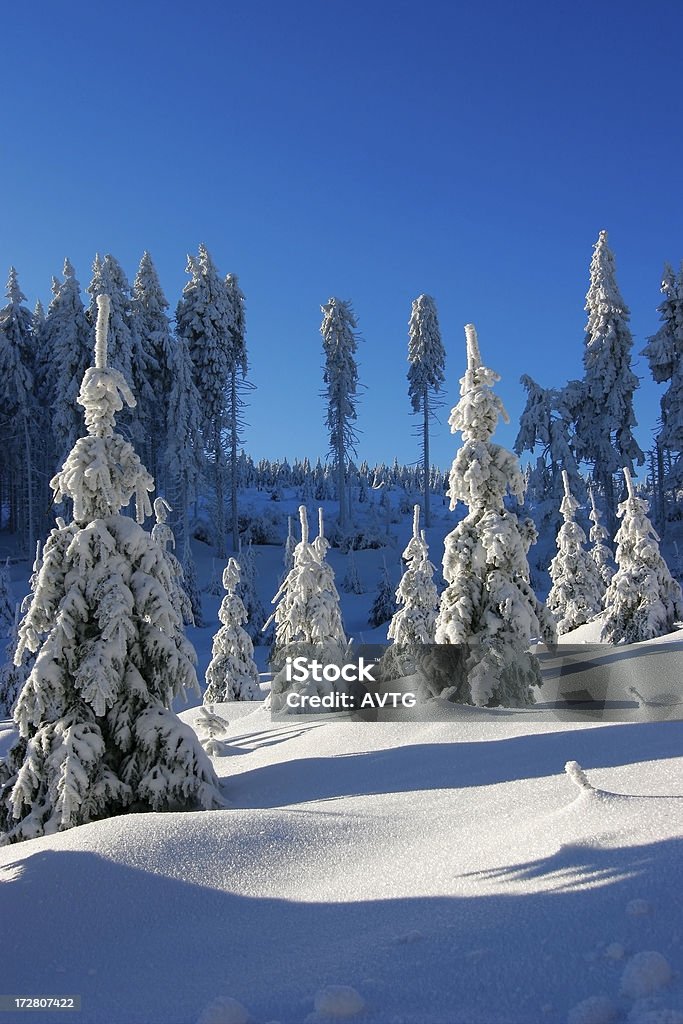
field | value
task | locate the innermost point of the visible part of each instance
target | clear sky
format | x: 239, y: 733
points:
x: 367, y: 149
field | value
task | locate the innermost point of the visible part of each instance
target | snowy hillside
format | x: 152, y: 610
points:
x: 446, y: 872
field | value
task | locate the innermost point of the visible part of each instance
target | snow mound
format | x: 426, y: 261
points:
x: 594, y: 1010
x: 338, y: 1001
x: 224, y: 1010
x: 644, y: 974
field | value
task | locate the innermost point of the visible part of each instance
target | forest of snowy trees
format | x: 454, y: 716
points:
x: 98, y: 652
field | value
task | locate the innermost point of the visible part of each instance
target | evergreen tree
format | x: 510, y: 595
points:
x: 96, y: 736
x: 427, y: 359
x: 340, y: 377
x: 605, y: 418
x: 488, y: 606
x: 12, y: 677
x: 237, y: 383
x: 183, y: 453
x: 290, y: 545
x: 155, y: 364
x: 18, y: 414
x: 384, y: 606
x: 232, y: 673
x: 307, y: 602
x: 212, y: 726
x: 205, y: 318
x: 664, y: 352
x: 6, y: 602
x: 352, y: 583
x: 643, y: 600
x: 163, y: 535
x: 577, y: 591
x: 67, y: 336
x: 600, y: 552
x: 246, y: 589
x: 191, y: 587
x: 417, y: 597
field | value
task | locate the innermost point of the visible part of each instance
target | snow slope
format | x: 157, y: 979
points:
x: 445, y: 871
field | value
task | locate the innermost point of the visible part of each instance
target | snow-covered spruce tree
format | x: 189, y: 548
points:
x: 205, y: 318
x: 157, y: 356
x: 427, y: 359
x: 340, y: 377
x: 417, y: 597
x: 18, y: 413
x: 210, y: 726
x: 600, y: 552
x: 183, y: 455
x: 232, y: 673
x: 163, y: 535
x: 307, y: 602
x: 248, y: 594
x: 12, y: 677
x: 605, y: 419
x: 96, y: 736
x: 352, y: 583
x: 488, y: 606
x: 191, y: 586
x: 384, y: 606
x: 290, y: 545
x: 67, y: 337
x: 307, y: 617
x: 664, y: 352
x: 577, y: 592
x: 643, y: 600
x: 237, y: 384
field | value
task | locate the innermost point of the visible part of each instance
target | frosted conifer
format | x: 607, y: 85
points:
x: 576, y: 593
x: 427, y: 359
x: 155, y: 359
x: 96, y: 736
x: 256, y: 613
x: 664, y: 352
x: 211, y: 726
x: 6, y: 602
x: 605, y: 418
x: 643, y: 600
x: 307, y: 602
x: 232, y: 673
x: 290, y: 544
x: 488, y: 606
x: 600, y: 552
x: 340, y: 343
x: 163, y: 535
x: 352, y: 584
x: 417, y: 597
x: 67, y: 336
x: 384, y: 606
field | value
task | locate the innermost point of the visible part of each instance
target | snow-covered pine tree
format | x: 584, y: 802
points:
x: 155, y: 358
x: 12, y: 677
x: 18, y: 412
x: 604, y: 435
x: 352, y: 583
x: 205, y: 318
x: 600, y: 552
x: 96, y: 736
x: 577, y: 592
x: 163, y: 535
x: 664, y: 352
x: 211, y: 726
x: 307, y: 602
x: 384, y: 606
x: 237, y: 384
x: 67, y: 337
x: 232, y: 673
x: 427, y: 358
x: 643, y: 600
x: 191, y: 587
x: 183, y: 454
x: 488, y: 606
x: 417, y: 597
x: 256, y: 613
x: 340, y: 343
x: 290, y: 544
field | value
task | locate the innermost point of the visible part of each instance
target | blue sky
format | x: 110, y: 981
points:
x: 369, y: 150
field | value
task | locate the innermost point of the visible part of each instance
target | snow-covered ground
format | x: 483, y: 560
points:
x: 446, y: 871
